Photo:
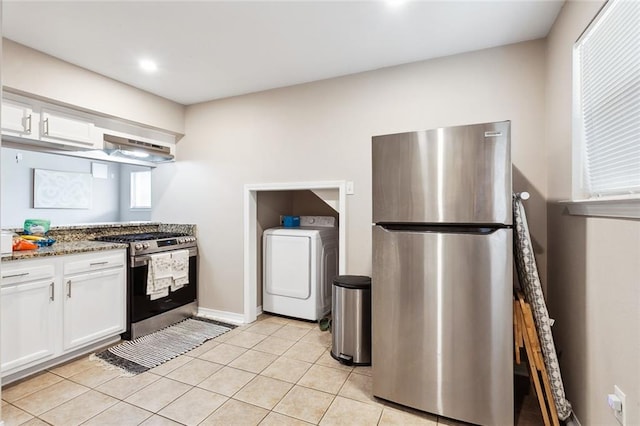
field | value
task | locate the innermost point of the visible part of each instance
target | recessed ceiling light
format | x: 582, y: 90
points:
x: 148, y: 65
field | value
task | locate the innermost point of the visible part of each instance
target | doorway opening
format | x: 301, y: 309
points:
x: 274, y: 199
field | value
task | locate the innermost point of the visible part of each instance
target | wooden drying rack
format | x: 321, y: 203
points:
x: 526, y: 336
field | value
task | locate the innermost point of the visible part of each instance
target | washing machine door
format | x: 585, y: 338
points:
x: 287, y: 262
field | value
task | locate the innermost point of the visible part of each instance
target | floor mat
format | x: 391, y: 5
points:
x: 146, y: 352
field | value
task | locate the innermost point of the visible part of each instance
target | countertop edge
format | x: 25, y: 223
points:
x: 61, y: 249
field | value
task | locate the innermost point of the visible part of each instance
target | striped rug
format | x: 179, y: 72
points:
x: 146, y: 352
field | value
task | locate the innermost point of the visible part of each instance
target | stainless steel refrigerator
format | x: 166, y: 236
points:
x: 442, y: 272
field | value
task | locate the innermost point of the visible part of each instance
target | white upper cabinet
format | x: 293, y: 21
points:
x: 68, y: 129
x: 30, y: 120
x: 42, y: 125
x: 17, y: 119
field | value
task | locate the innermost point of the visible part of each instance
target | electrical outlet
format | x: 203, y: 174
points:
x: 617, y: 402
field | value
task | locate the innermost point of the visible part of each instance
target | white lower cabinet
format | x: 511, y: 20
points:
x: 28, y: 323
x: 47, y: 312
x: 93, y: 307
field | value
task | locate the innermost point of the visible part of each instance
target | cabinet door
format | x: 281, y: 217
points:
x: 18, y: 119
x: 94, y: 307
x: 68, y: 129
x: 29, y: 328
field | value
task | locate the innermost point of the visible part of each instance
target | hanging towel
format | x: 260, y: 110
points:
x: 180, y: 266
x: 160, y: 276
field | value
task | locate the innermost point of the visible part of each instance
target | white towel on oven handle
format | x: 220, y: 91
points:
x: 160, y: 275
x: 180, y: 266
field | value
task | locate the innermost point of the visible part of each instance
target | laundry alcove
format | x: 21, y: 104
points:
x: 264, y: 204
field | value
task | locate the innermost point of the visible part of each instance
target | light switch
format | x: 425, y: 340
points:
x: 350, y: 190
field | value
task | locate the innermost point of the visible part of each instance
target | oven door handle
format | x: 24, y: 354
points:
x: 144, y: 259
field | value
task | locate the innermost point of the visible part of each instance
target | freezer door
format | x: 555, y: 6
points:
x: 448, y: 175
x: 442, y: 323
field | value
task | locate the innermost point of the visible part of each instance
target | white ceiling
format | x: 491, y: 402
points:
x: 213, y: 49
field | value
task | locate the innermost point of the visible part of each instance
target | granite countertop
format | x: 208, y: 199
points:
x: 89, y: 226
x: 61, y: 248
x: 72, y: 239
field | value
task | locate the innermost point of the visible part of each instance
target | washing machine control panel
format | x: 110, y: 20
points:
x: 323, y: 221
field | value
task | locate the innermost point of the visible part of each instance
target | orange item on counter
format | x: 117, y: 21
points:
x: 20, y: 244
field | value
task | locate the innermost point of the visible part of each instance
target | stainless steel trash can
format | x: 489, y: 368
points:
x: 351, y: 319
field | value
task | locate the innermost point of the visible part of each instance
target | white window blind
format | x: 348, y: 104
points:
x: 141, y: 190
x: 607, y: 102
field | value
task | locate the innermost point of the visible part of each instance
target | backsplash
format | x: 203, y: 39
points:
x: 109, y: 195
x: 91, y: 231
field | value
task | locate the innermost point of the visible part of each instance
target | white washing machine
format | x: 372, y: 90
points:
x: 299, y: 265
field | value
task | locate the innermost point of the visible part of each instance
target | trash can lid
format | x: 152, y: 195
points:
x: 352, y: 281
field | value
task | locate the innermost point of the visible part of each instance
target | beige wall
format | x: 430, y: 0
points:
x: 322, y: 131
x: 594, y: 263
x: 33, y: 72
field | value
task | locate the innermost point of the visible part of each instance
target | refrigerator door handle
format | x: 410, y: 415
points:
x: 448, y: 229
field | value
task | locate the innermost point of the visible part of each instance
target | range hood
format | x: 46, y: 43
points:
x: 118, y: 146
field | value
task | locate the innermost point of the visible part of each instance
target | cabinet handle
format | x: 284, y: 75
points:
x: 45, y: 127
x: 27, y: 127
x: 69, y: 289
x: 97, y: 263
x: 52, y: 296
x: 24, y: 274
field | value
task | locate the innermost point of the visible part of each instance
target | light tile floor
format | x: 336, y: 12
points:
x: 275, y: 371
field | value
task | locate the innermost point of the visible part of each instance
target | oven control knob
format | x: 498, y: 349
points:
x: 145, y: 245
x: 182, y: 240
x: 138, y: 246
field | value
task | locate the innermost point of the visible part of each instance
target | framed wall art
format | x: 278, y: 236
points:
x: 61, y: 190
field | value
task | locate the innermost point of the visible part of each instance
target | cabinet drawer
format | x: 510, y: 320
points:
x: 23, y: 274
x: 94, y: 263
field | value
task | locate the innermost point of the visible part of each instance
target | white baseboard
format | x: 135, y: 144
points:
x: 225, y: 316
x: 258, y: 312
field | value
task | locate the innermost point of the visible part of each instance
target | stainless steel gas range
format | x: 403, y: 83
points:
x: 146, y: 313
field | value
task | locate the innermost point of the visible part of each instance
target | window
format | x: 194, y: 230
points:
x: 141, y: 190
x: 606, y: 92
